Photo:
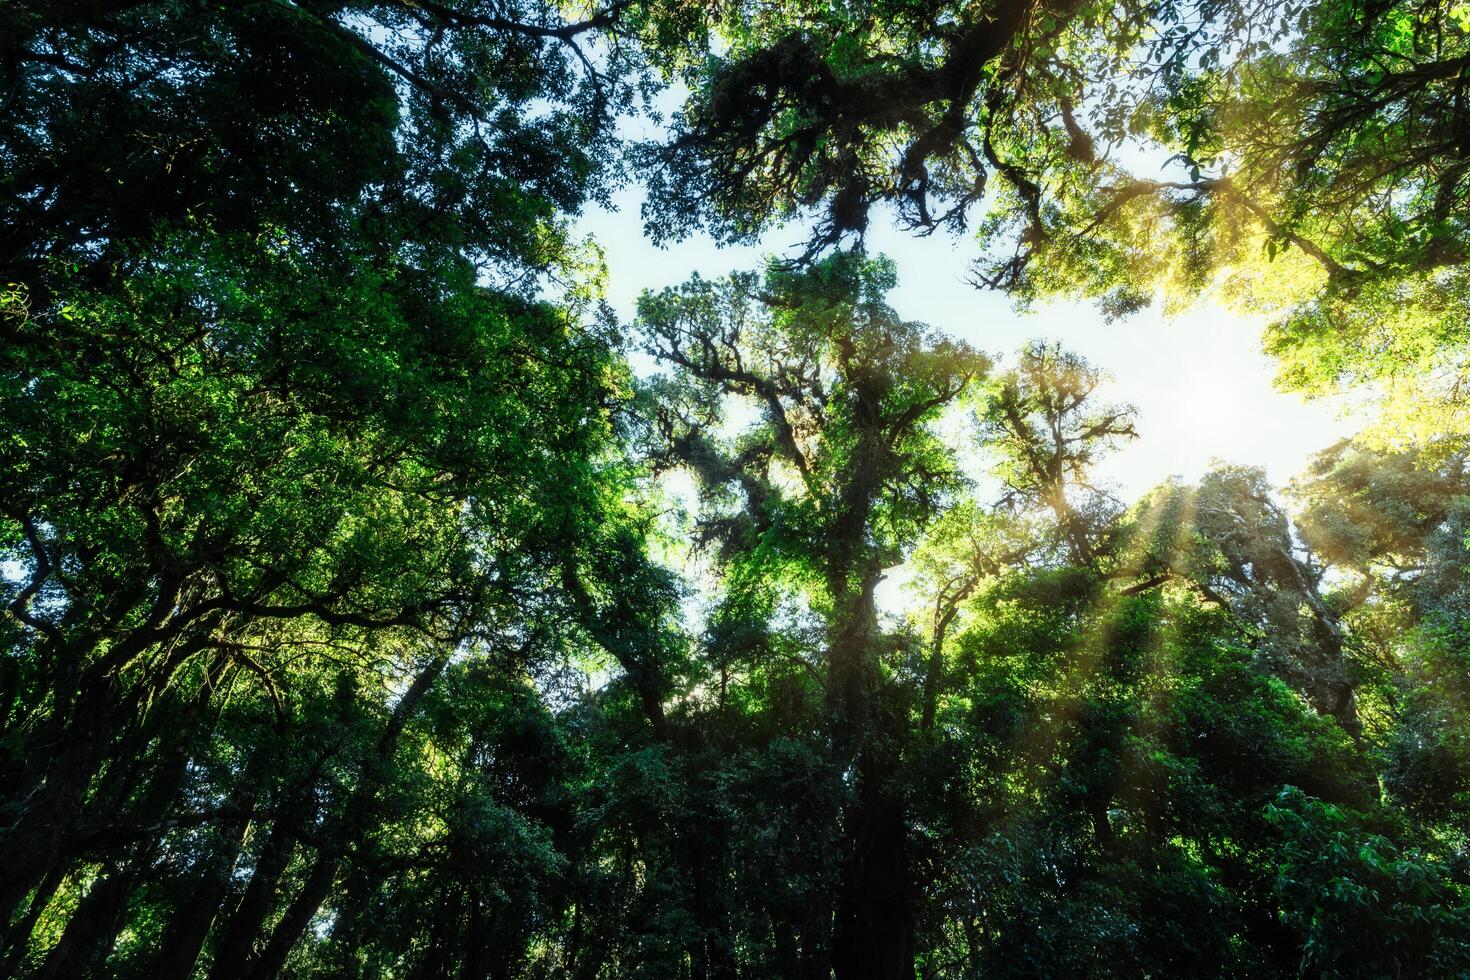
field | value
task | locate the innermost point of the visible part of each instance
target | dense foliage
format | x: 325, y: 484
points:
x: 353, y: 624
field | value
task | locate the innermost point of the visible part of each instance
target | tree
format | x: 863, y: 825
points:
x: 279, y: 388
x: 837, y: 109
x: 1312, y: 160
x: 1233, y: 543
x: 1105, y: 740
x: 846, y: 392
x: 1046, y: 433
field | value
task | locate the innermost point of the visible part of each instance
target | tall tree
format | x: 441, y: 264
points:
x: 837, y: 477
x: 278, y: 385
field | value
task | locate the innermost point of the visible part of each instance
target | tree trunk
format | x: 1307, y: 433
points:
x: 944, y: 614
x: 89, y: 933
x: 17, y: 939
x: 298, y: 916
x: 33, y: 845
x: 76, y: 743
x: 187, y: 930
x: 351, y: 826
x: 234, y: 953
x: 95, y: 923
x: 875, y: 926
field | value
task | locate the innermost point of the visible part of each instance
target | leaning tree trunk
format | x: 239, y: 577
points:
x: 233, y: 954
x: 32, y: 847
x: 17, y: 939
x: 91, y: 710
x: 351, y: 827
x: 95, y: 923
x: 189, y: 926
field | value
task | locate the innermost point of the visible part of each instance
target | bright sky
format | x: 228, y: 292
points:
x: 1199, y: 380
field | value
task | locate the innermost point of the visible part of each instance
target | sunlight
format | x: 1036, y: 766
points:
x: 1202, y: 385
x: 1204, y: 393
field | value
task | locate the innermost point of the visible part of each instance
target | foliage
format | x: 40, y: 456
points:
x: 336, y: 640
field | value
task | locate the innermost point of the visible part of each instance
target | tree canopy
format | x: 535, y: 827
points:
x: 354, y: 623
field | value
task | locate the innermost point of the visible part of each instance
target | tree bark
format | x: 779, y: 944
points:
x: 95, y: 923
x: 33, y: 845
